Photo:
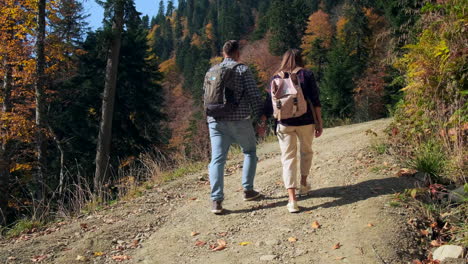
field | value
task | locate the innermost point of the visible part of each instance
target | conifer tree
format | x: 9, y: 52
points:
x: 170, y: 8
x: 108, y: 100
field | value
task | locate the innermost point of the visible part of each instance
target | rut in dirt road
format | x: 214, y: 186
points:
x: 345, y: 219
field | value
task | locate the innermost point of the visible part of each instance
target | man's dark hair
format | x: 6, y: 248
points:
x: 231, y: 47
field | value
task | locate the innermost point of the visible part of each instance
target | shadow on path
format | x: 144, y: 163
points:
x: 345, y: 194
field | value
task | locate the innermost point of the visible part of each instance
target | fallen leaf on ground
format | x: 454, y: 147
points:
x: 436, y: 243
x: 99, y: 253
x: 405, y: 172
x: 81, y: 258
x: 245, y: 243
x: 200, y: 243
x: 134, y: 243
x: 223, y: 234
x: 39, y: 258
x: 194, y: 233
x: 193, y: 198
x: 433, y: 225
x: 221, y: 245
x: 292, y: 239
x: 316, y: 225
x: 84, y: 225
x: 337, y: 245
x: 11, y: 258
x: 370, y: 224
x: 340, y: 258
x: 309, y: 212
x: 121, y: 258
x: 424, y: 232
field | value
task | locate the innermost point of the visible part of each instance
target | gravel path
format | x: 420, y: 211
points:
x: 352, y: 187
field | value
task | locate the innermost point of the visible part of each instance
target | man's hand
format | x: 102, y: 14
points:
x: 318, y: 130
x: 262, y: 127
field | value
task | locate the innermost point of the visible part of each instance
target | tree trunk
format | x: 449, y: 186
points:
x: 4, y: 160
x: 105, y: 127
x: 39, y: 87
x: 7, y: 86
x: 4, y: 183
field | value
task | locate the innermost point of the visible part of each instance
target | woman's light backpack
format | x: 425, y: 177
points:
x: 287, y: 96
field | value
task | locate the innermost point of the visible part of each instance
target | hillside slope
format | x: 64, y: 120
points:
x: 350, y: 199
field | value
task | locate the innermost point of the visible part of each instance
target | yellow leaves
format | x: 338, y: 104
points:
x: 194, y: 234
x: 21, y: 167
x: 99, y: 253
x: 245, y: 243
x: 216, y: 60
x: 92, y: 111
x: 340, y: 25
x: 292, y: 239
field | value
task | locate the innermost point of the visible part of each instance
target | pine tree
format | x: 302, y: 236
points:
x: 337, y: 85
x: 170, y: 8
x: 286, y: 24
x: 108, y: 100
x: 160, y: 17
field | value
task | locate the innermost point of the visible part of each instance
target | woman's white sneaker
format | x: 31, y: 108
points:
x: 293, y: 207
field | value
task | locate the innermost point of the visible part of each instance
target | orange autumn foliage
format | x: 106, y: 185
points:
x: 196, y: 40
x: 16, y: 21
x: 209, y: 32
x: 319, y: 27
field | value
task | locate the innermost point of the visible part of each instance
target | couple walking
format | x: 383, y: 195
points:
x: 232, y: 100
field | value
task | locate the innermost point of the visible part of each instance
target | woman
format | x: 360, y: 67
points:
x: 303, y: 127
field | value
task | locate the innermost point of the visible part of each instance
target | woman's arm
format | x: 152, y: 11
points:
x: 319, y: 123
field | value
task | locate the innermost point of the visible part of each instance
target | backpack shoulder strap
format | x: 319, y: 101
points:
x: 235, y: 65
x: 295, y: 71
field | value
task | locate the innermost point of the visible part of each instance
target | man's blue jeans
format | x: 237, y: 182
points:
x: 222, y: 135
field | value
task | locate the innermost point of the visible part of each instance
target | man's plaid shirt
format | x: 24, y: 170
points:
x: 251, y: 101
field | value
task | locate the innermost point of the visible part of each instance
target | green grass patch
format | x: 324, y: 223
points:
x: 377, y: 169
x: 430, y: 157
x: 394, y: 204
x: 379, y: 148
x: 183, y: 170
x: 23, y: 226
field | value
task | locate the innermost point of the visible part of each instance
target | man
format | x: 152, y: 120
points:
x: 234, y: 126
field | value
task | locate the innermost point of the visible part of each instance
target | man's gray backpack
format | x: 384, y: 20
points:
x: 219, y: 86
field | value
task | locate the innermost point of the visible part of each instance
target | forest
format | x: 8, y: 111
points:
x: 87, y: 113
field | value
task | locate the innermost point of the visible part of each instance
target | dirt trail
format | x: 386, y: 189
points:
x: 350, y: 199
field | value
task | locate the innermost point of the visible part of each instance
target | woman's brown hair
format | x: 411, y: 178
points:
x: 291, y: 60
